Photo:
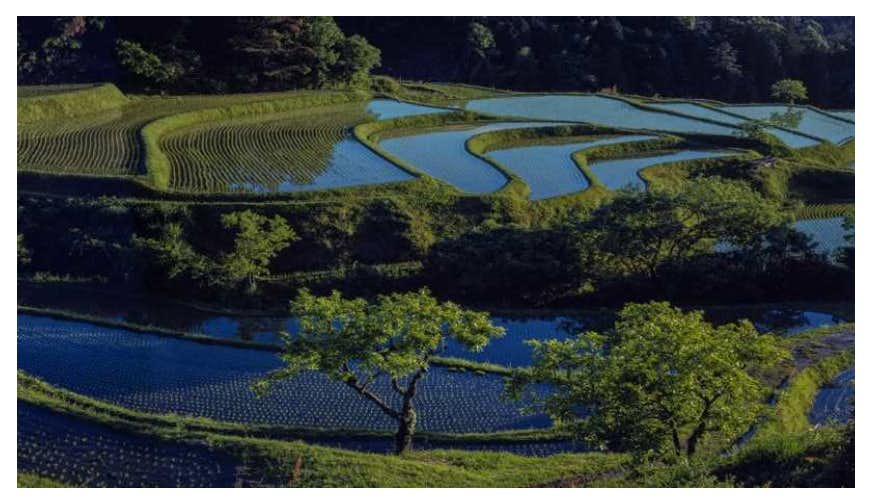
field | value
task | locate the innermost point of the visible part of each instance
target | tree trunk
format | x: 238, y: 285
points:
x: 407, y: 423
x: 694, y: 439
x: 404, y: 438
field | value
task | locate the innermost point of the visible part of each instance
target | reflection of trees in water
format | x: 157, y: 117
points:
x: 781, y: 320
x: 791, y: 118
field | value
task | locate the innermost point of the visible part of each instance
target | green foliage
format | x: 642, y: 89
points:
x: 173, y: 252
x: 281, y: 53
x: 638, y: 231
x: 257, y: 241
x: 144, y: 64
x: 357, y: 58
x: 29, y: 480
x: 789, y: 90
x: 660, y: 381
x: 356, y: 342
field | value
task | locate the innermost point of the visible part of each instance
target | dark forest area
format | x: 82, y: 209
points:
x: 727, y: 58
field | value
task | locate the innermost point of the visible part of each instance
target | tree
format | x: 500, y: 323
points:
x: 257, y: 241
x: 660, y: 381
x: 391, y: 340
x: 788, y: 90
x: 357, y: 58
x: 638, y: 231
x: 479, y: 44
x: 144, y: 64
x: 174, y: 253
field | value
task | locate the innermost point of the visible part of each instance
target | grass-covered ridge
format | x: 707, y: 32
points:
x: 322, y: 466
x: 70, y: 104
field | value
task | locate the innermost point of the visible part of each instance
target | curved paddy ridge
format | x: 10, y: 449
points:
x: 593, y: 109
x: 443, y: 155
x: 549, y: 169
x: 700, y: 111
x: 813, y: 123
x: 620, y: 173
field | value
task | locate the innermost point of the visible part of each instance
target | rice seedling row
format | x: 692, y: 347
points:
x: 85, y: 453
x: 827, y: 234
x: 169, y: 375
x: 834, y: 403
x: 105, y: 143
x: 270, y: 153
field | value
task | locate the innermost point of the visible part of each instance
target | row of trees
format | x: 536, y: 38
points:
x: 732, y: 58
x: 193, y: 54
x: 714, y: 239
x: 661, y: 381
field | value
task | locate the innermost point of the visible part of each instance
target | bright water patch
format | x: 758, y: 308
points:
x: 850, y: 115
x: 442, y: 154
x: 834, y: 402
x: 828, y: 234
x: 812, y: 123
x: 549, y: 169
x: 619, y: 173
x: 390, y: 109
x: 699, y: 111
x: 159, y: 374
x: 593, y: 109
x: 351, y: 164
x: 89, y: 454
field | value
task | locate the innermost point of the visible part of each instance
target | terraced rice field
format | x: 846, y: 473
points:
x: 303, y: 150
x: 105, y: 143
x: 593, y: 109
x: 161, y: 375
x: 834, y: 403
x: 828, y: 234
x: 813, y: 123
x: 701, y: 111
x: 391, y: 109
x: 85, y: 453
x: 619, y: 173
x: 442, y: 154
x: 549, y: 169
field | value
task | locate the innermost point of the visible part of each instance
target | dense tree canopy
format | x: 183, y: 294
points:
x: 732, y: 58
x: 660, y: 380
x: 204, y: 54
x: 638, y: 231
